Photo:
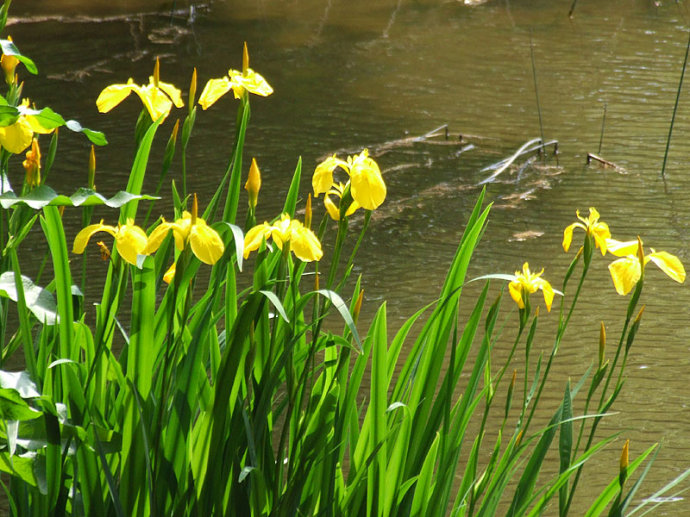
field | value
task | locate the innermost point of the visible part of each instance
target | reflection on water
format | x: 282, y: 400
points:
x: 353, y: 74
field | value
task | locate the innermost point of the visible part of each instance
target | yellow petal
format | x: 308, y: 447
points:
x: 305, y: 245
x: 82, y: 238
x: 625, y: 273
x: 157, y: 237
x: 621, y: 248
x: 155, y: 101
x: 114, y: 95
x: 170, y: 273
x: 174, y: 93
x: 568, y: 236
x: 368, y: 188
x: 515, y: 289
x: 254, y: 237
x: 322, y: 180
x: 206, y: 243
x: 332, y: 210
x: 131, y: 241
x: 669, y: 264
x: 548, y: 293
x: 601, y: 235
x: 16, y: 137
x: 214, y: 90
x: 251, y: 81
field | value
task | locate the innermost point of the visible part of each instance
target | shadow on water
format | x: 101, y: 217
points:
x: 352, y: 74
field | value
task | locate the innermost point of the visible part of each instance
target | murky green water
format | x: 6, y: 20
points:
x: 350, y: 74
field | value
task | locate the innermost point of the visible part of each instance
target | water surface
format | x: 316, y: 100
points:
x: 351, y: 74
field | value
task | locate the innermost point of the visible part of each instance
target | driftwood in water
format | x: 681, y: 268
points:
x: 439, y: 136
x: 531, y: 146
x: 593, y: 157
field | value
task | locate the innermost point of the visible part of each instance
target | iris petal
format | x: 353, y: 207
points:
x: 214, y: 90
x: 669, y: 264
x: 206, y: 243
x: 625, y: 273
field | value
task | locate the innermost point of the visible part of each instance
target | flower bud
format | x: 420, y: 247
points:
x: 92, y: 169
x: 245, y: 59
x: 253, y: 184
x: 192, y: 89
x: 32, y: 165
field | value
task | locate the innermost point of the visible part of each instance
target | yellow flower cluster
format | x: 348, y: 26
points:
x: 627, y: 270
x: 300, y: 239
x: 132, y: 240
x: 365, y: 184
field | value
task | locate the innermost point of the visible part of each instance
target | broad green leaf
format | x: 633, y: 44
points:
x: 14, y: 407
x: 45, y: 196
x: 19, y: 466
x: 11, y: 49
x: 39, y: 301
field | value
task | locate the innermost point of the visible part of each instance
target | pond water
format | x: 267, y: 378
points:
x: 350, y: 74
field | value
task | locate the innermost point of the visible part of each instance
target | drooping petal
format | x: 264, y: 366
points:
x: 131, y: 241
x: 548, y: 292
x: 157, y: 237
x: 173, y: 92
x: 669, y: 264
x: 114, y: 95
x: 322, y: 180
x: 368, y: 188
x: 625, y: 273
x: 621, y: 248
x: 82, y: 238
x: 305, y: 245
x: 214, y: 90
x: 254, y: 237
x: 568, y: 235
x: 515, y: 289
x: 331, y: 208
x: 206, y: 243
x: 16, y: 137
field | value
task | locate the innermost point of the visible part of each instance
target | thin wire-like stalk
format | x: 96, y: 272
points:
x: 675, y: 107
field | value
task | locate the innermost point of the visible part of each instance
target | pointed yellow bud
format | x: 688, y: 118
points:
x: 253, y: 184
x: 640, y: 251
x: 639, y: 316
x: 176, y: 129
x: 307, y: 213
x: 92, y: 169
x: 358, y: 306
x: 169, y: 275
x: 157, y: 73
x: 625, y: 459
x: 195, y: 210
x: 32, y: 165
x: 192, y: 89
x: 245, y: 59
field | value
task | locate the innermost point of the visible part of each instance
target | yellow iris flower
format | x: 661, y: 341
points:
x: 130, y: 239
x: 333, y: 210
x: 302, y: 241
x: 205, y: 242
x: 591, y: 225
x: 32, y: 165
x: 366, y: 181
x: 627, y: 271
x: 158, y: 97
x: 18, y: 136
x: 239, y: 82
x: 526, y: 283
